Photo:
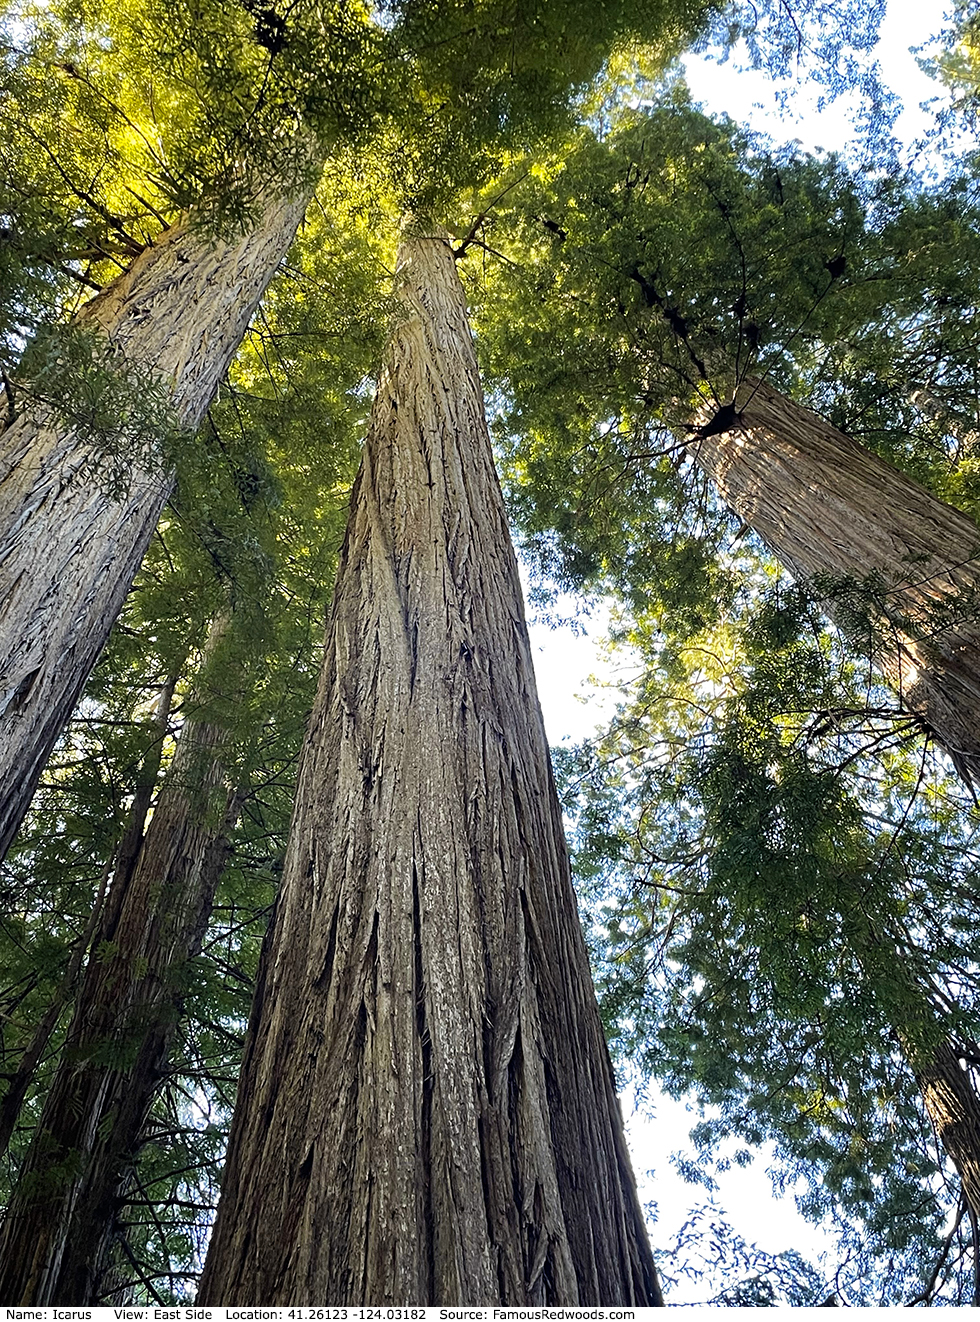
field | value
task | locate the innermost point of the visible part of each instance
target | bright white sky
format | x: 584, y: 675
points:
x: 564, y: 660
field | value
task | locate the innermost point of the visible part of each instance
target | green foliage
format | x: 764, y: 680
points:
x: 956, y: 60
x: 651, y: 268
x: 265, y: 80
x: 781, y: 889
x: 649, y: 263
x: 777, y: 38
x: 778, y: 875
x: 830, y: 43
x: 115, y: 410
x: 485, y: 80
x: 195, y: 104
x: 753, y: 916
x: 117, y: 117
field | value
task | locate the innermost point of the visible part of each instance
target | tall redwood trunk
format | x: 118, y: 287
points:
x: 824, y: 504
x: 427, y: 1113
x: 953, y: 1106
x: 947, y: 1090
x: 19, y: 1083
x: 69, y: 550
x: 55, y: 1238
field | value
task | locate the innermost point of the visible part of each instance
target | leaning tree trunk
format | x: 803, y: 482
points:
x: 951, y: 1102
x: 824, y: 504
x: 427, y: 1113
x: 68, y: 548
x: 56, y: 1237
x: 953, y: 1106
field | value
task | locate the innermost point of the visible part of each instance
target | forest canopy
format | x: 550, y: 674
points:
x: 732, y: 392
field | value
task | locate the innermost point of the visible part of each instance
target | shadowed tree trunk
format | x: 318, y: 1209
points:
x: 68, y: 548
x: 824, y: 504
x: 953, y: 1107
x: 59, y: 1225
x: 13, y: 1098
x: 427, y: 1112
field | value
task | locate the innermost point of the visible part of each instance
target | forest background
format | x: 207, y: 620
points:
x: 754, y: 770
x: 580, y: 677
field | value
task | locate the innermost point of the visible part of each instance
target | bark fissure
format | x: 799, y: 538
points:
x: 441, y: 1176
x: 427, y: 1079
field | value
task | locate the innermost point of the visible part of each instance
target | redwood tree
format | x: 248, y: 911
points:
x: 687, y: 282
x: 70, y: 543
x: 68, y: 547
x: 427, y: 1112
x: 57, y: 1232
x: 827, y: 506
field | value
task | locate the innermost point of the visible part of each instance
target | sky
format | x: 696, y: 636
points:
x: 748, y: 96
x: 566, y: 657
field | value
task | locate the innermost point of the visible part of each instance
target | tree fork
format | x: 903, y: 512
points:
x: 824, y: 504
x: 427, y: 1111
x: 69, y: 550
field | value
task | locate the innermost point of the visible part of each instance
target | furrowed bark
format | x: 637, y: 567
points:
x: 427, y: 1112
x: 824, y: 504
x: 68, y: 550
x: 57, y: 1234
